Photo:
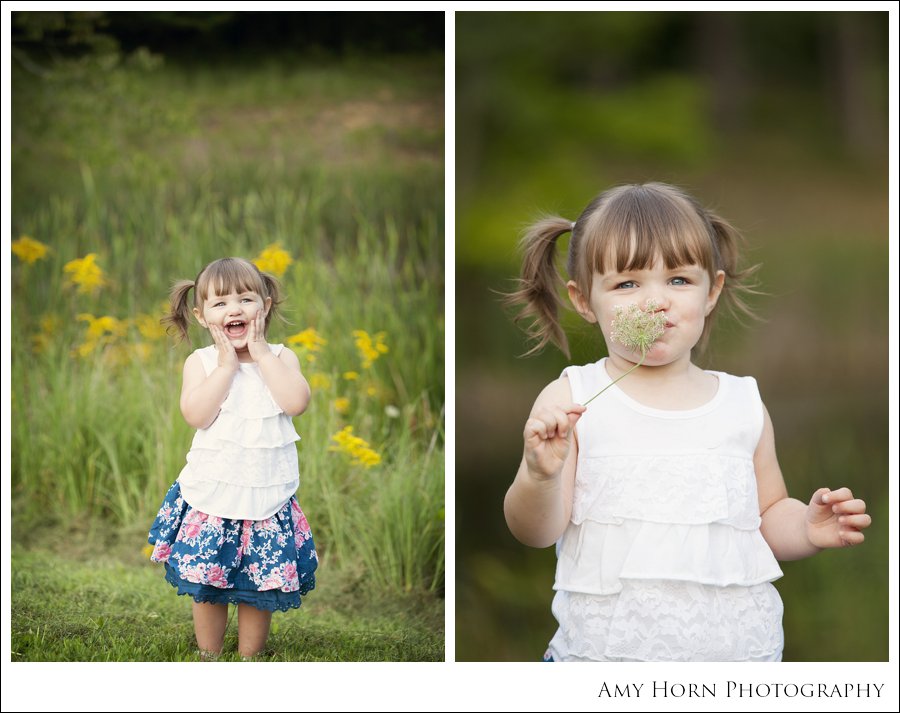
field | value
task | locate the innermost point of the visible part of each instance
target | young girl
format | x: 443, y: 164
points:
x: 663, y: 496
x: 230, y: 530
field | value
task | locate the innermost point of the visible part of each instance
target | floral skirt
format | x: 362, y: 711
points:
x: 267, y: 563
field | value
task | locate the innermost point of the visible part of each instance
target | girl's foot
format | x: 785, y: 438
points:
x: 208, y: 655
x: 259, y: 655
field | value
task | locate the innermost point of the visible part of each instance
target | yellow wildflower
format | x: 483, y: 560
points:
x: 102, y: 326
x: 360, y: 451
x: 370, y: 347
x: 127, y: 354
x: 29, y: 250
x: 319, y: 381
x: 49, y: 324
x: 147, y: 550
x: 274, y: 259
x: 84, y: 350
x: 351, y: 375
x: 100, y: 332
x: 149, y: 327
x: 85, y: 273
x: 372, y: 390
x: 308, y: 339
x: 342, y: 404
x: 40, y: 342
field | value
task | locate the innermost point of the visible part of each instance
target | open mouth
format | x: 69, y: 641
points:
x: 235, y: 328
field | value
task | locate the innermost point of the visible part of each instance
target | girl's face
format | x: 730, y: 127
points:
x: 232, y: 313
x: 684, y: 293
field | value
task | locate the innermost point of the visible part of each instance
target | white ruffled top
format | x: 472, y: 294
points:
x: 244, y: 465
x: 663, y: 558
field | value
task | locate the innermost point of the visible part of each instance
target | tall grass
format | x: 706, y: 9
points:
x: 98, y: 437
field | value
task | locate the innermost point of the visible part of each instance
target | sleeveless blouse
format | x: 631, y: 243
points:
x: 663, y: 559
x: 244, y: 464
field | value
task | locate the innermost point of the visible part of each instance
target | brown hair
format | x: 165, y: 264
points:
x: 229, y: 274
x: 626, y: 228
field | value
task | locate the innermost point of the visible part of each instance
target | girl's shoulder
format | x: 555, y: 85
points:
x: 206, y: 356
x: 556, y: 392
x: 745, y: 383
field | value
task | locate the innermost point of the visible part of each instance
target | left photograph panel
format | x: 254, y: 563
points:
x: 227, y: 352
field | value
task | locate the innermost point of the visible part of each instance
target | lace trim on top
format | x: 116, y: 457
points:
x: 687, y: 488
x: 670, y: 621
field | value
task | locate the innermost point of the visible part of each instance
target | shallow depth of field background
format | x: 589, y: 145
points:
x: 779, y: 122
x: 158, y: 142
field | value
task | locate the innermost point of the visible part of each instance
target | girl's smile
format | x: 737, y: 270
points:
x: 232, y: 313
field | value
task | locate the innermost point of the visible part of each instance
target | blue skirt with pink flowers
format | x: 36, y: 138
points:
x: 268, y: 564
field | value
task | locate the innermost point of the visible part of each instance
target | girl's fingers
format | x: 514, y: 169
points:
x: 558, y: 422
x: 859, y: 522
x: 552, y: 422
x: 850, y: 507
x: 818, y: 498
x: 835, y: 496
x: 851, y: 537
x: 535, y: 427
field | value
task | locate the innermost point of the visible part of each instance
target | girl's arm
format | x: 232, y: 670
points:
x: 281, y: 373
x: 202, y: 395
x: 792, y: 529
x: 286, y: 383
x: 538, y: 505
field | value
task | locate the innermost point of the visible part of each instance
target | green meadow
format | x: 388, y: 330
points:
x: 336, y: 168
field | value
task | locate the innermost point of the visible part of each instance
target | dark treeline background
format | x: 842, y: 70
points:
x: 213, y: 35
x: 777, y: 121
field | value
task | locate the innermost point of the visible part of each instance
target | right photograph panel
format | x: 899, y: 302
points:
x: 672, y: 336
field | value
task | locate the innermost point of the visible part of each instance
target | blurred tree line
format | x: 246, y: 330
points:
x: 213, y: 36
x: 75, y: 71
x: 670, y: 84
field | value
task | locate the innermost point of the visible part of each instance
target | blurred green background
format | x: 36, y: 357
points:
x: 778, y: 121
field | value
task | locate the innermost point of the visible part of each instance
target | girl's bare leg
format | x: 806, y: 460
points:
x: 253, y: 629
x: 210, y: 621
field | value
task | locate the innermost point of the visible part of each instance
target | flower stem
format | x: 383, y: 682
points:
x: 619, y: 378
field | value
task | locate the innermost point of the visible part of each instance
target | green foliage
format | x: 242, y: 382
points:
x: 109, y: 610
x: 158, y: 171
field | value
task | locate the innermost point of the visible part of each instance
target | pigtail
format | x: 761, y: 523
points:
x: 179, y: 316
x: 538, y: 294
x: 273, y: 290
x: 740, y: 284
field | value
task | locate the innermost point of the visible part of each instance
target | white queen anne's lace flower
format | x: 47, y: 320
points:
x: 635, y: 329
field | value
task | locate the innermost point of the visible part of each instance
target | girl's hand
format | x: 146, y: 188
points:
x: 228, y: 358
x: 256, y: 337
x: 548, y: 437
x: 835, y: 518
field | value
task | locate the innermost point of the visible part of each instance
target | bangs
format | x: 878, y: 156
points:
x: 637, y: 226
x: 229, y: 275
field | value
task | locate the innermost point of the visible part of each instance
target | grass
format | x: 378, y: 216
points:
x: 110, y: 609
x: 340, y: 163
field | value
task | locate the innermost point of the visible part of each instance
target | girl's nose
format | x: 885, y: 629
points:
x: 658, y: 299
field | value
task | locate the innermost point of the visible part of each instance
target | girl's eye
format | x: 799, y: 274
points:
x: 680, y: 281
x: 218, y: 304
x: 625, y: 285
